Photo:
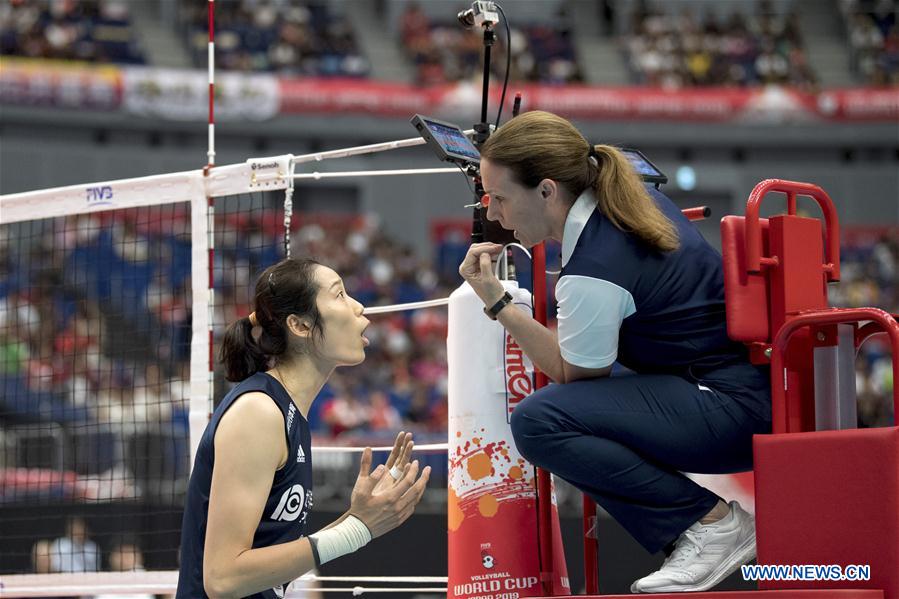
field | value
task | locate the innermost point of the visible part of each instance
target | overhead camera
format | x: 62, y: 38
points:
x: 481, y: 13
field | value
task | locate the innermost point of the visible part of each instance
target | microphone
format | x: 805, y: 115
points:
x: 482, y: 13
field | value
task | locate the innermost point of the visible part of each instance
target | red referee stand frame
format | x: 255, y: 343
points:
x: 828, y: 497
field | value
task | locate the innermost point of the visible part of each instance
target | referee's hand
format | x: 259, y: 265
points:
x: 477, y: 270
x: 391, y: 504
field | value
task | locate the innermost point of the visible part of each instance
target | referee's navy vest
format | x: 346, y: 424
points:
x: 288, y: 503
x: 679, y: 326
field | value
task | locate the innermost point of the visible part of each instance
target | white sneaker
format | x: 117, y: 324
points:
x: 704, y: 555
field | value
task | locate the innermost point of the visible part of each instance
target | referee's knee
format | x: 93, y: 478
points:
x: 530, y: 425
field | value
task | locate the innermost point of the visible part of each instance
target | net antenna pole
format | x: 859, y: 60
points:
x: 210, y: 152
x: 202, y: 369
x: 288, y: 207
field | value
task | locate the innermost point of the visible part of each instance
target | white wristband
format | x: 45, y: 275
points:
x: 346, y: 537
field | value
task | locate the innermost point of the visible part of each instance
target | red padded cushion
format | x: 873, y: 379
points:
x: 829, y: 497
x: 746, y: 295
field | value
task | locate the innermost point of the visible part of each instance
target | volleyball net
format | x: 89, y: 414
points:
x: 114, y: 298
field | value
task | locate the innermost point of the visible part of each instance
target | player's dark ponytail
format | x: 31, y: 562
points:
x: 288, y: 287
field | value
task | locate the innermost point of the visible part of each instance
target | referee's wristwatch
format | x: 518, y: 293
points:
x: 493, y: 311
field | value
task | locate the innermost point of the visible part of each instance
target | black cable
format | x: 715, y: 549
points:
x: 464, y: 174
x: 502, y: 99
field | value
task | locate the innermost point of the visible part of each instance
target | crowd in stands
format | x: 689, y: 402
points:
x: 95, y: 320
x: 872, y: 27
x: 96, y: 31
x: 869, y: 273
x: 95, y: 325
x: 444, y: 51
x: 667, y: 49
x: 292, y: 39
x: 94, y: 343
x: 684, y: 50
x: 402, y: 383
x: 76, y: 552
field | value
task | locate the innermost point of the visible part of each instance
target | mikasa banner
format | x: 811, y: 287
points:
x: 492, y: 520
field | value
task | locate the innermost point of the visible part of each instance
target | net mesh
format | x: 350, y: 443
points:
x: 95, y: 337
x: 96, y: 334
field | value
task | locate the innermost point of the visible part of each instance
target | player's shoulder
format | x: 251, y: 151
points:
x: 254, y: 411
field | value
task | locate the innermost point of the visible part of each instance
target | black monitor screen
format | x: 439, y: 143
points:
x: 647, y: 170
x: 453, y: 141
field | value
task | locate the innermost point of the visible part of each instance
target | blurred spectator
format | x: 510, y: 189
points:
x: 40, y: 560
x: 74, y: 552
x: 89, y: 30
x: 676, y: 51
x: 125, y: 556
x: 290, y: 38
x: 383, y: 416
x: 873, y: 32
x: 870, y: 277
x: 40, y: 557
x: 444, y: 52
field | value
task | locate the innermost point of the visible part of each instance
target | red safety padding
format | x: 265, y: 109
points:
x: 829, y: 497
x: 746, y: 295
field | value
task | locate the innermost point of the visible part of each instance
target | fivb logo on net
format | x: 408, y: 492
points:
x: 101, y: 195
x: 291, y: 505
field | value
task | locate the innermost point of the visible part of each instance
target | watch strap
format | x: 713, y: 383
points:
x: 493, y: 311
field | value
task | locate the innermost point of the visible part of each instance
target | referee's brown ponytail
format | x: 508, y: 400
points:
x: 285, y: 288
x: 540, y: 145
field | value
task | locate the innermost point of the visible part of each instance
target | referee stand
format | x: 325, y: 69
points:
x: 826, y: 492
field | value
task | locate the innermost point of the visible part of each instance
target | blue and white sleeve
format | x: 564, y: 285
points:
x: 590, y: 315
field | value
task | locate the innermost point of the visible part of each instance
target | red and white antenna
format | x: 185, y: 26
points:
x: 210, y: 153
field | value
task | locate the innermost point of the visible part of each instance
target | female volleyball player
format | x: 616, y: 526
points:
x: 250, y: 492
x: 641, y: 286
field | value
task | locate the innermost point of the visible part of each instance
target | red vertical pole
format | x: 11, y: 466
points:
x: 544, y: 486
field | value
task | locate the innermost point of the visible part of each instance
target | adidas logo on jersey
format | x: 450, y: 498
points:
x: 301, y: 455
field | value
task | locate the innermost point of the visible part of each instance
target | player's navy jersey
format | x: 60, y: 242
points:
x: 288, y: 503
x: 668, y: 307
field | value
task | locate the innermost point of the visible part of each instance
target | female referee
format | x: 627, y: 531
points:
x: 640, y: 286
x: 250, y: 492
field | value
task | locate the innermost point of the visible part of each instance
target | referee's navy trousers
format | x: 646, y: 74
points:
x: 626, y: 441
